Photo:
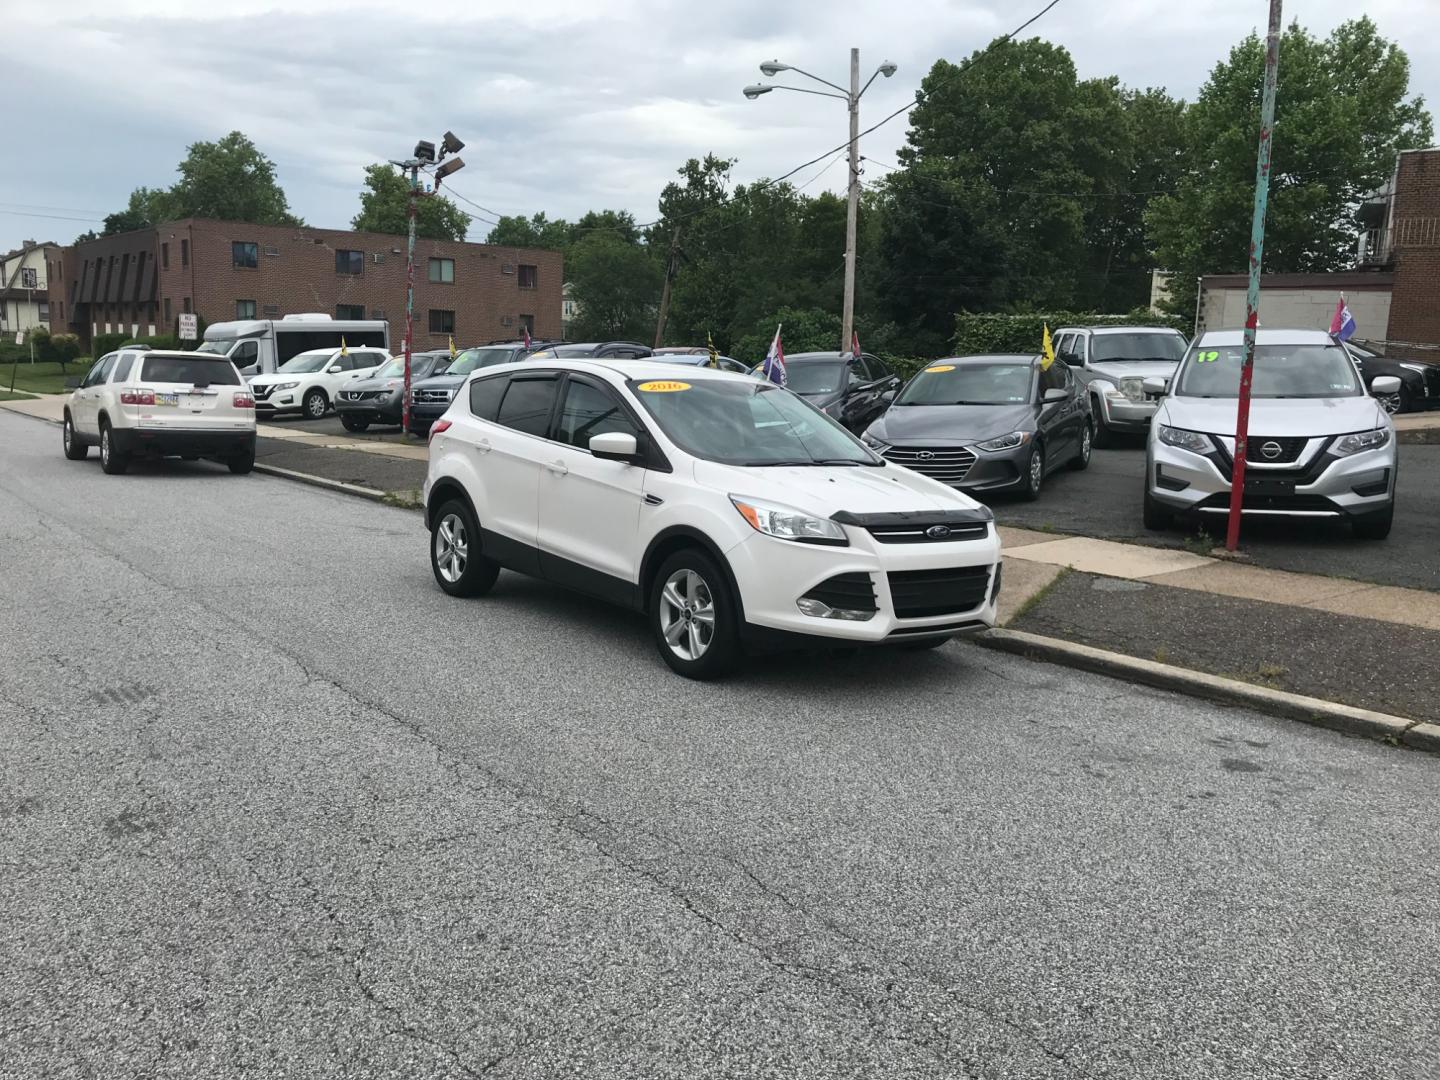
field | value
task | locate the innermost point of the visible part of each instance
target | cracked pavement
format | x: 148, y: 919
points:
x: 271, y: 804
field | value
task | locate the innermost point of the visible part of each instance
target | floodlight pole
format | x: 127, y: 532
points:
x: 1252, y: 295
x: 411, y: 214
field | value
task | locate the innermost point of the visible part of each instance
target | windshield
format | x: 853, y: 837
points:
x: 221, y: 347
x: 748, y: 423
x: 970, y: 384
x: 1281, y: 371
x: 473, y: 359
x: 306, y: 361
x: 395, y: 367
x: 1168, y: 347
x: 209, y: 371
x: 814, y: 377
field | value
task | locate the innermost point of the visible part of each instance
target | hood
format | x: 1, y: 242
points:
x: 829, y: 489
x: 274, y: 377
x: 379, y: 384
x: 439, y: 382
x: 959, y: 424
x: 1276, y: 416
x: 1145, y: 369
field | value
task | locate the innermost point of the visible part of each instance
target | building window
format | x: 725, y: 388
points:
x: 167, y: 311
x: 442, y: 271
x: 442, y: 322
x: 184, y: 252
x: 244, y: 309
x: 164, y: 256
x: 185, y: 305
x: 44, y: 311
x: 529, y: 276
x: 528, y: 322
x: 349, y: 311
x: 349, y: 262
x: 244, y: 254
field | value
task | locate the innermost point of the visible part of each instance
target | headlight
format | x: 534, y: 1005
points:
x: 393, y: 384
x: 285, y: 386
x: 874, y: 443
x: 1193, y: 441
x: 1362, y: 440
x: 1006, y: 442
x: 787, y: 523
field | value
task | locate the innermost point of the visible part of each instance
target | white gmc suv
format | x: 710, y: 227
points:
x: 725, y: 508
x: 140, y: 402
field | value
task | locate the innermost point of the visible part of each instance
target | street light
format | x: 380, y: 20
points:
x: 851, y: 97
x: 424, y: 157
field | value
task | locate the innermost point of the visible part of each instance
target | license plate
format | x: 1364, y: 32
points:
x: 167, y: 399
x: 1265, y: 486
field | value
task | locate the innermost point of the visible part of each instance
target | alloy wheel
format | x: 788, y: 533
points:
x: 687, y: 614
x: 1390, y: 403
x: 69, y: 434
x: 1037, y: 470
x: 105, y: 445
x: 1085, y: 443
x: 316, y: 404
x: 452, y: 548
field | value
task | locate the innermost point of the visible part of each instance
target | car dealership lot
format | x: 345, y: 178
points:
x: 363, y: 829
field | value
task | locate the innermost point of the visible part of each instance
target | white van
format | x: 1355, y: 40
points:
x: 260, y: 346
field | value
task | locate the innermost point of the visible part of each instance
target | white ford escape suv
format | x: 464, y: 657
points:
x: 136, y: 403
x: 725, y: 508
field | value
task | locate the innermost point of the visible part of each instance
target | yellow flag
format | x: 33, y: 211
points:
x: 714, y: 356
x: 1047, y: 350
x: 452, y: 344
x: 343, y: 351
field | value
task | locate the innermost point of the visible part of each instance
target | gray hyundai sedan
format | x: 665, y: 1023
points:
x: 987, y: 423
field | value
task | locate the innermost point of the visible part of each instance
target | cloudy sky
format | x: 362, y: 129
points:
x: 566, y: 105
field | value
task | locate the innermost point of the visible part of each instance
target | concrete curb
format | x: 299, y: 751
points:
x: 338, y: 486
x: 1308, y: 710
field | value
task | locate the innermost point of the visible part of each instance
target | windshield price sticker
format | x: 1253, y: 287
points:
x: 941, y: 367
x: 663, y: 387
x: 1207, y: 357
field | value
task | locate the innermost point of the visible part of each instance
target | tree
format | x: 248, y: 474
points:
x: 1341, y: 116
x: 534, y: 232
x: 229, y: 179
x: 616, y: 286
x: 385, y: 206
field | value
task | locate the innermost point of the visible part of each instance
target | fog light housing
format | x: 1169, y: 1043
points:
x: 820, y: 610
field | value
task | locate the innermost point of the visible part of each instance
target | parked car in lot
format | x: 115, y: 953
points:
x: 309, y: 382
x: 725, y: 508
x: 1318, y: 445
x: 697, y: 357
x: 1419, y: 383
x: 574, y: 350
x: 1112, y: 364
x: 997, y: 423
x: 851, y: 389
x: 150, y: 403
x: 379, y: 398
x: 430, y: 397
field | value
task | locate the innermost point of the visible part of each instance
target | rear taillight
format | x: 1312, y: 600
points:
x: 137, y: 397
x: 439, y: 426
x: 244, y: 401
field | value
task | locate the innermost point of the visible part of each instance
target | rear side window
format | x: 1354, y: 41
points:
x: 526, y: 405
x: 485, y: 395
x: 122, y: 371
x: 197, y: 369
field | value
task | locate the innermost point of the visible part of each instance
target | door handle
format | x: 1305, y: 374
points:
x: 559, y: 468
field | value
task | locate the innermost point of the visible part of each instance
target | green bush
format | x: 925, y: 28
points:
x: 977, y: 334
x: 107, y: 343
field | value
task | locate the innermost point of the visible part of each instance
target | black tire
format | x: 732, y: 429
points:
x: 75, y: 450
x: 1104, y: 437
x: 1034, y: 478
x: 111, y: 460
x: 1373, y: 526
x: 1157, y: 517
x: 353, y: 423
x: 315, y: 405
x: 703, y: 586
x: 925, y: 644
x: 459, y: 566
x: 241, y: 463
x: 1081, y: 460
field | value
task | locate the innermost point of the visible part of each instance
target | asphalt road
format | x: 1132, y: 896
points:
x: 272, y: 805
x: 1104, y: 501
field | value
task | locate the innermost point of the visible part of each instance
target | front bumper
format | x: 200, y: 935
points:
x: 162, y: 442
x: 1127, y: 415
x: 1319, y: 484
x: 772, y: 575
x: 284, y: 401
x: 375, y: 410
x: 427, y: 412
x: 963, y: 467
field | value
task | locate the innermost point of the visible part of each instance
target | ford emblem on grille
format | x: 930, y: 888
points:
x: 938, y: 532
x: 924, y: 455
x: 1271, y: 450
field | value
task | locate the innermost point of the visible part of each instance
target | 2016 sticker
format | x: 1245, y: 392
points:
x: 941, y: 367
x: 663, y: 387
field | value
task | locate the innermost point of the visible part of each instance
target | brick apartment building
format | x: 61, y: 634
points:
x: 138, y: 282
x: 1394, y: 290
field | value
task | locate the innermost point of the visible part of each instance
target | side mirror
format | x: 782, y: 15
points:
x: 333, y: 369
x: 1157, y: 386
x: 1385, y: 385
x: 889, y: 395
x: 1055, y: 394
x: 615, y: 446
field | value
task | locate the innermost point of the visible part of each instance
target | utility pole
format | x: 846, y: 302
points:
x: 847, y: 320
x: 411, y: 214
x: 1252, y: 295
x: 670, y: 268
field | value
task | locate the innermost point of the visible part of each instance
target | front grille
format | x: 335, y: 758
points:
x: 920, y: 534
x: 360, y: 395
x: 847, y: 592
x: 1293, y: 503
x: 1290, y: 448
x: 432, y: 396
x: 262, y: 392
x: 919, y: 594
x: 948, y: 464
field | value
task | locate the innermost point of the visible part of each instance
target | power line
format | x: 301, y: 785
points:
x: 55, y: 217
